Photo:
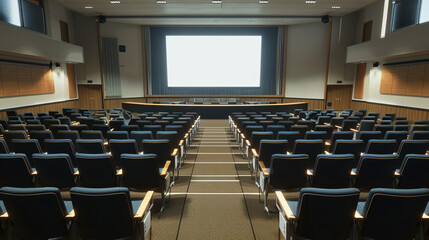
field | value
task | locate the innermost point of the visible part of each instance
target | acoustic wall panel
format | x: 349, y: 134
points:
x: 410, y: 80
x: 360, y: 80
x: 24, y: 80
x: 425, y: 90
x: 416, y: 74
x: 10, y: 80
x: 386, y: 81
x: 399, y: 80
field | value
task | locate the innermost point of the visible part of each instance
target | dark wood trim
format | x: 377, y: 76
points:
x: 100, y: 59
x: 284, y: 62
x: 327, y: 59
x: 145, y: 86
x: 231, y: 96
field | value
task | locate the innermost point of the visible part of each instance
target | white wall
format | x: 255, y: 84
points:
x: 408, y: 40
x: 307, y: 46
x: 86, y: 36
x: 130, y: 62
x: 23, y: 41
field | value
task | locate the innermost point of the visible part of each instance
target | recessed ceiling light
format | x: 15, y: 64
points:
x: 161, y: 2
x: 336, y: 6
x: 217, y: 1
x: 310, y: 2
x: 115, y: 2
x: 89, y: 7
x: 263, y: 1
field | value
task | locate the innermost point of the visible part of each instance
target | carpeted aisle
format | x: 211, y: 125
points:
x: 215, y: 197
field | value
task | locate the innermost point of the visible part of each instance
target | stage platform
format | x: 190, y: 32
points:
x: 213, y: 111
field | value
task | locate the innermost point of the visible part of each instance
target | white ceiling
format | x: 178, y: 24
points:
x: 240, y: 11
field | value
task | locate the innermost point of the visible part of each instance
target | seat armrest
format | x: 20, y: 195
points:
x: 174, y: 152
x: 4, y: 216
x: 242, y: 136
x: 263, y: 169
x: 424, y: 217
x: 326, y: 152
x: 327, y: 143
x: 186, y: 135
x: 181, y: 143
x: 309, y: 172
x: 76, y: 173
x: 338, y: 126
x: 247, y: 143
x: 284, y: 205
x: 358, y: 216
x: 34, y: 173
x: 354, y: 130
x: 397, y: 174
x: 71, y: 215
x: 165, y: 169
x: 106, y: 143
x: 255, y: 153
x: 144, y: 205
x: 119, y: 172
x: 353, y: 173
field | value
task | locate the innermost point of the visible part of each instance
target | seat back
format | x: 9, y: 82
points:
x: 332, y: 170
x: 117, y: 135
x: 70, y: 134
x: 41, y: 135
x: 310, y: 147
x: 96, y: 170
x: 54, y: 170
x: 327, y: 128
x: 3, y: 146
x: 249, y: 129
x: 90, y: 146
x: 267, y: 148
x: 160, y: 147
x: 275, y: 129
x: 366, y: 125
x: 393, y: 213
x: 26, y: 146
x: 345, y: 146
x: 316, y: 135
x: 120, y: 146
x: 375, y: 170
x: 91, y: 134
x: 413, y: 171
x: 31, y: 127
x: 15, y: 170
x: 172, y: 136
x: 411, y: 147
x: 326, y: 213
x: 61, y: 146
x: 383, y: 128
x: 288, y: 171
x: 349, y: 124
x: 93, y: 206
x: 36, y: 213
x: 381, y: 146
x: 257, y: 136
x: 141, y: 172
x: 291, y: 137
x: 14, y: 134
x: 397, y: 135
x: 420, y: 135
x: 302, y: 129
x: 116, y: 124
x: 139, y: 136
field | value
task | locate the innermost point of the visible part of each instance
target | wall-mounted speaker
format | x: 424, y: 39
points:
x: 325, y: 18
x: 101, y: 19
x: 376, y: 64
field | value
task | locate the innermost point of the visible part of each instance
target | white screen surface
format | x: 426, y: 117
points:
x: 213, y: 61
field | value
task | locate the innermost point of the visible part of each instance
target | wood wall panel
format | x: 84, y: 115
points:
x: 312, y: 103
x: 24, y: 80
x: 425, y: 90
x: 411, y: 113
x: 90, y: 96
x: 340, y: 96
x: 386, y: 81
x: 399, y: 80
x: 71, y: 77
x: 117, y: 103
x: 416, y: 74
x: 10, y: 80
x: 44, y: 108
x: 49, y: 82
x: 360, y: 80
x: 1, y: 84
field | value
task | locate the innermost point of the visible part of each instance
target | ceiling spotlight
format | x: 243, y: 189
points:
x: 161, y: 2
x: 217, y: 1
x: 115, y: 2
x: 336, y: 6
x: 263, y: 1
x: 88, y: 7
x: 310, y: 2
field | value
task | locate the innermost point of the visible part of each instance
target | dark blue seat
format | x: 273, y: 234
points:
x: 101, y: 127
x: 130, y: 128
x: 275, y: 129
x: 172, y: 136
x: 413, y: 172
x: 383, y: 128
x: 141, y: 173
x: 41, y: 135
x: 327, y: 128
x: 57, y: 127
x: 291, y: 137
x: 3, y: 146
x: 348, y: 125
x: 117, y: 135
x: 55, y: 170
x: 256, y: 137
x: 139, y: 136
x: 152, y: 128
x: 96, y: 218
x: 96, y: 170
x: 91, y: 134
x: 332, y: 170
x: 345, y: 146
x: 26, y: 146
x: 121, y: 146
x: 16, y: 170
x: 36, y: 213
x: 14, y: 134
x: 71, y: 134
x: 366, y: 125
x: 411, y: 147
x: 90, y: 146
x: 339, y: 135
x: 302, y: 129
x: 316, y: 135
x: 397, y: 135
x: 392, y: 214
x: 365, y: 136
x: 320, y: 213
x: 79, y: 127
x: 61, y: 146
x: 381, y: 146
x: 116, y: 124
x: 310, y: 147
x: 420, y: 135
x: 31, y: 127
x: 375, y: 170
